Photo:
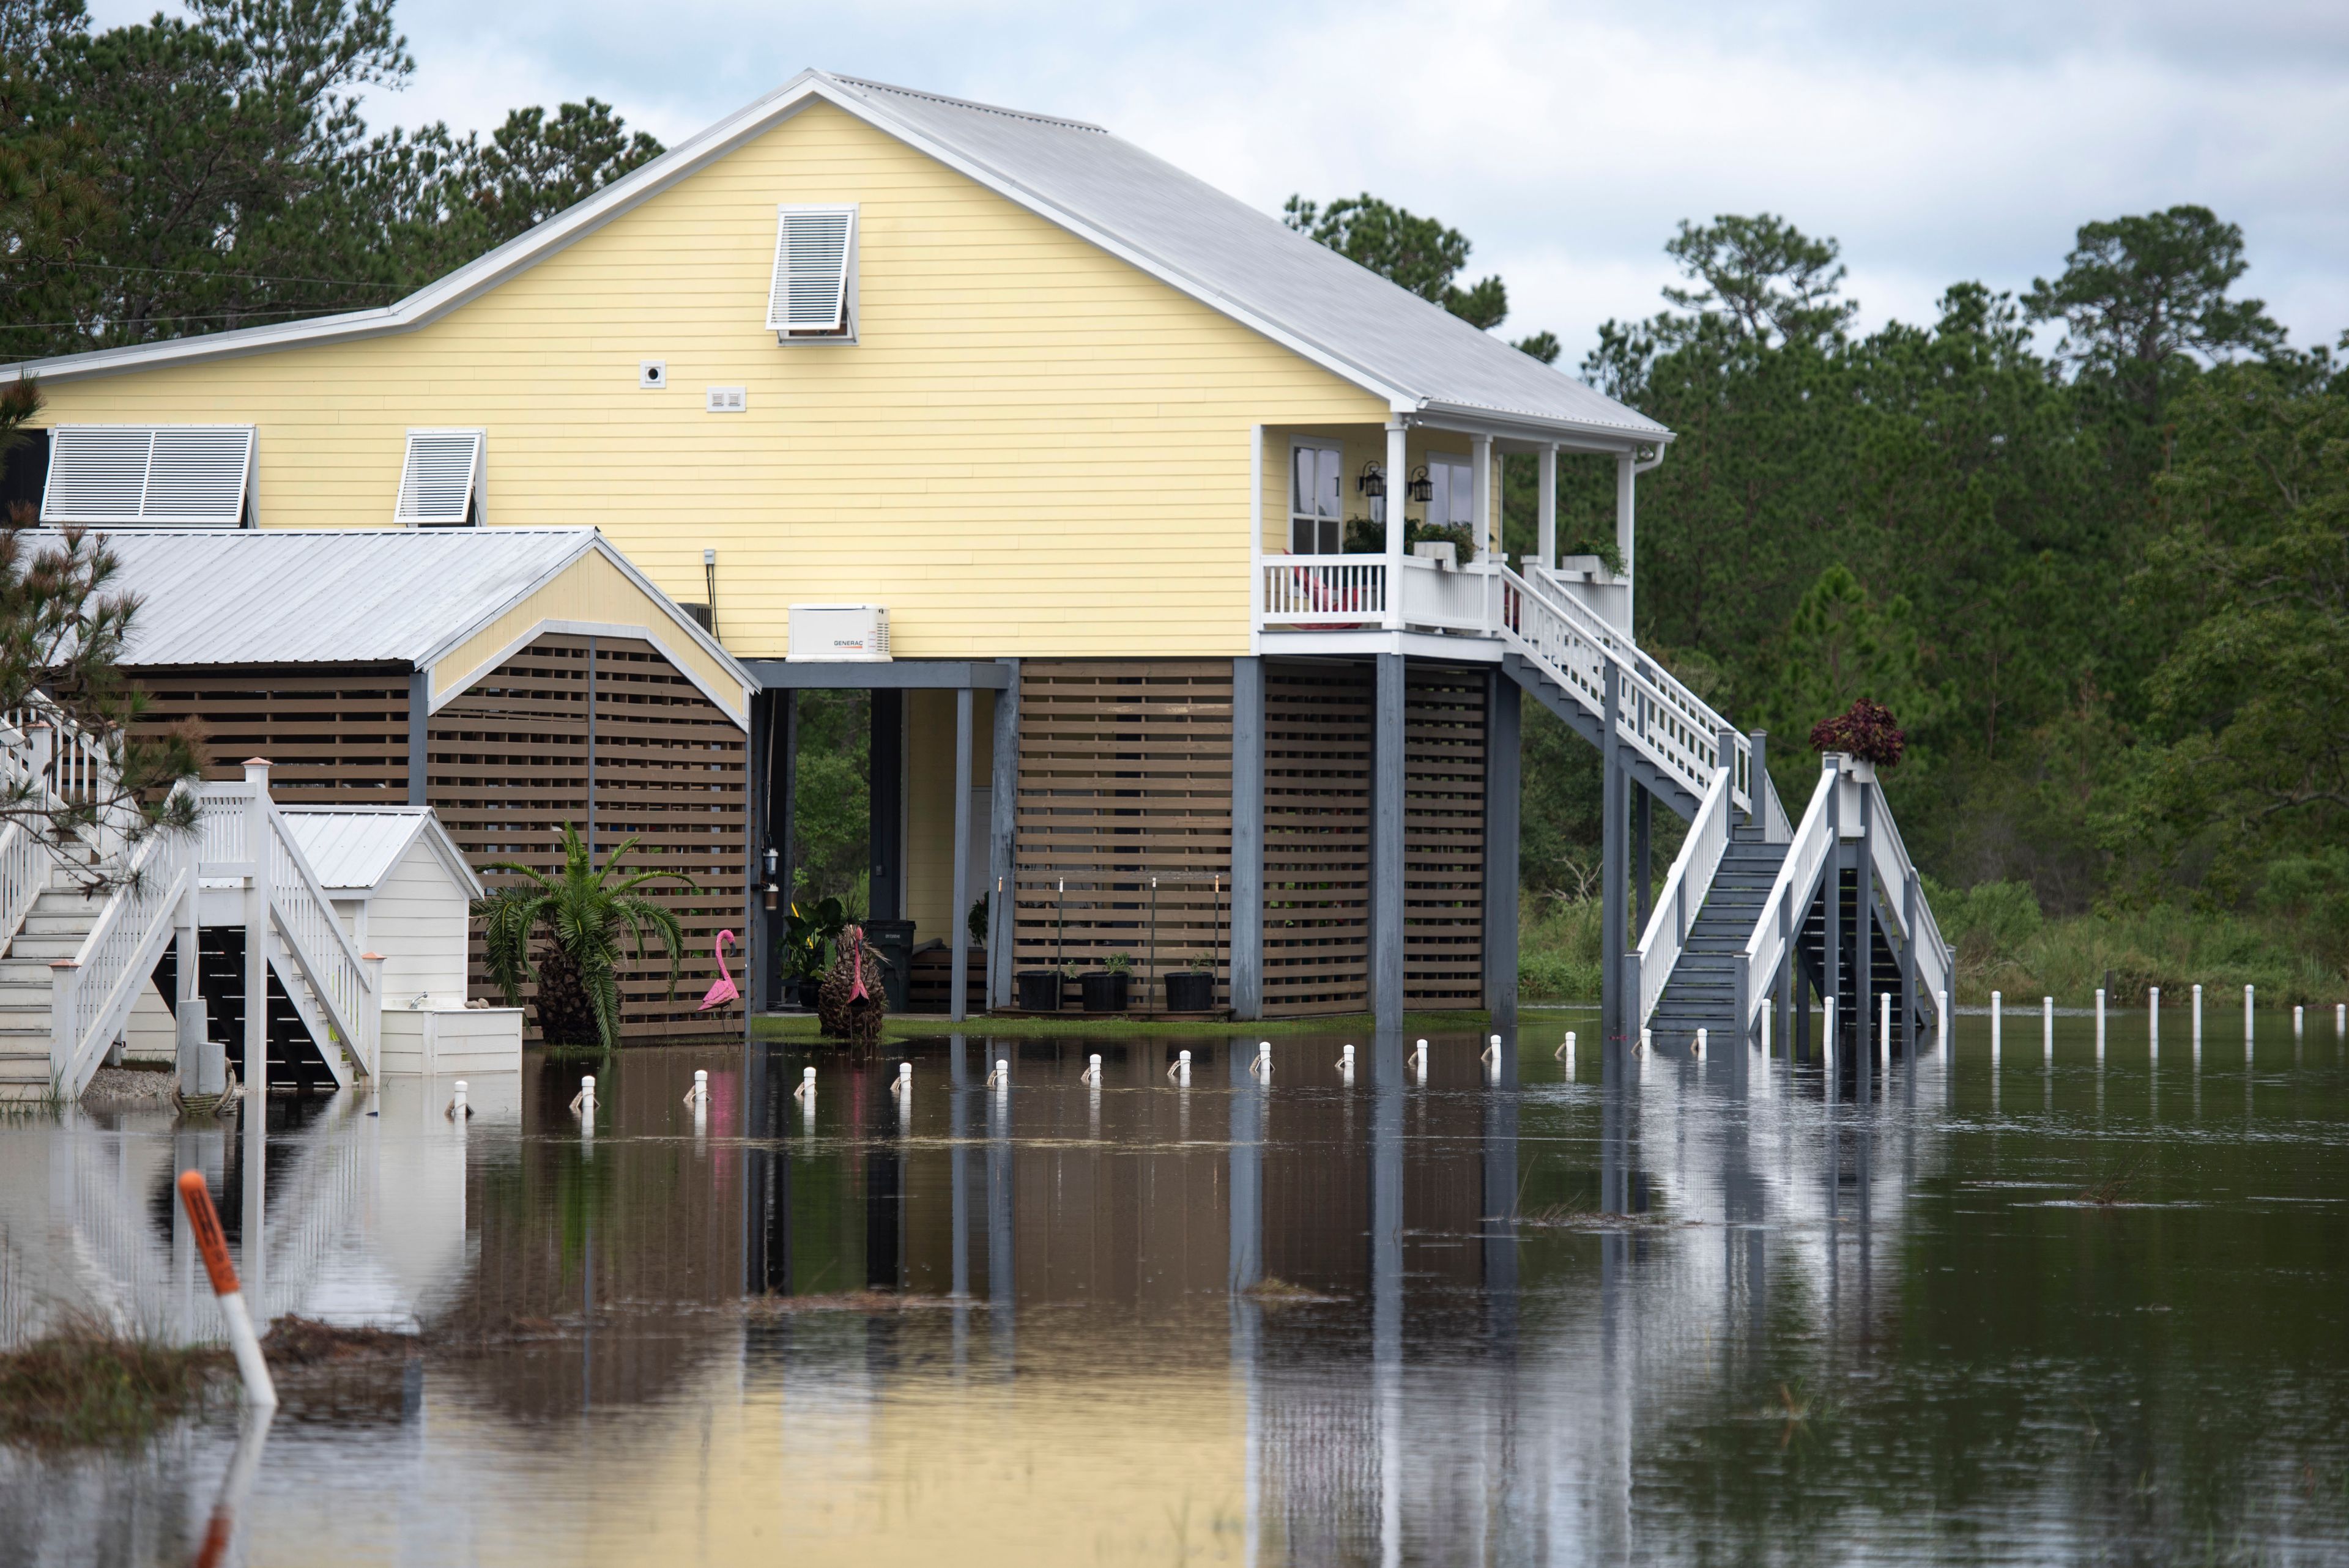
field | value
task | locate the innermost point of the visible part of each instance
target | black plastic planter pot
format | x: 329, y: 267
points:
x: 1189, y: 993
x: 1104, y: 992
x: 1040, y: 990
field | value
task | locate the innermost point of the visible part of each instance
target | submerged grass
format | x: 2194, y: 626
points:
x: 87, y: 1385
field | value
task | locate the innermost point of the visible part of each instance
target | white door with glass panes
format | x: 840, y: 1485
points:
x: 1452, y: 503
x: 1317, y: 524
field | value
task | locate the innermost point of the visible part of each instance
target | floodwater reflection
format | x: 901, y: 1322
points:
x: 1667, y: 1309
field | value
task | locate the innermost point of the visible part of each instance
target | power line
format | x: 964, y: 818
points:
x: 206, y: 272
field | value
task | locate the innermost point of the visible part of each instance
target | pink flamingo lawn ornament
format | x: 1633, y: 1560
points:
x: 722, y: 989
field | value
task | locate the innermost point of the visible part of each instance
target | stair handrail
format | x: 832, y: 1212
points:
x: 90, y: 994
x: 24, y: 865
x: 1574, y: 648
x: 1666, y: 938
x: 1895, y: 869
x: 339, y: 977
x: 1670, y: 695
x: 1780, y: 919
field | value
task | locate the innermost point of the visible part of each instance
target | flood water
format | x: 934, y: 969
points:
x: 1656, y: 1311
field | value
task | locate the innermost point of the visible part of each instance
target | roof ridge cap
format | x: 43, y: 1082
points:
x: 972, y: 104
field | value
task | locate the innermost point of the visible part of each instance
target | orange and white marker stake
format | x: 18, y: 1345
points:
x: 197, y: 1198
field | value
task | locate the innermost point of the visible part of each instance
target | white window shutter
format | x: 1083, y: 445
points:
x: 815, y: 249
x: 439, y: 484
x: 160, y: 475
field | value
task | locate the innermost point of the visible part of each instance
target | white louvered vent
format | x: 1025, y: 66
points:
x: 161, y: 475
x: 815, y: 261
x: 440, y: 484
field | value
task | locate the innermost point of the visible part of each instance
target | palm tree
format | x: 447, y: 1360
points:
x: 584, y: 914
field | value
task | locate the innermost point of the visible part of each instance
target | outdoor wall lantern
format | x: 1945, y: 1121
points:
x: 1373, y: 481
x: 1421, y: 487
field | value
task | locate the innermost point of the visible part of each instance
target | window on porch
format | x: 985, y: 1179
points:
x: 1315, y: 491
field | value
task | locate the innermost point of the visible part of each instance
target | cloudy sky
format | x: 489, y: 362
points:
x: 1936, y: 142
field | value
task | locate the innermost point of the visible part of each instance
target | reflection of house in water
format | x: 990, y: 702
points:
x: 1479, y: 1386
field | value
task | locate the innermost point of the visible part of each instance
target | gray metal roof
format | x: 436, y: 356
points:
x: 264, y: 596
x: 1257, y: 263
x: 1242, y: 261
x: 353, y: 851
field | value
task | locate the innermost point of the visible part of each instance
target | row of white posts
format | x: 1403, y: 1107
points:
x: 2153, y: 1022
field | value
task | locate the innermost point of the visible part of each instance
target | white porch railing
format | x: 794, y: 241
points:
x: 349, y: 1005
x: 1780, y: 924
x: 1666, y: 938
x: 1904, y: 891
x: 1447, y: 598
x: 90, y: 994
x: 1325, y: 590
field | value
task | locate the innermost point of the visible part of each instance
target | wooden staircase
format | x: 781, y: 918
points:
x: 1703, y: 991
x: 61, y: 919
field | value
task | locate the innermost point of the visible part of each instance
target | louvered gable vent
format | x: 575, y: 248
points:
x: 440, y: 484
x: 815, y: 253
x: 182, y: 476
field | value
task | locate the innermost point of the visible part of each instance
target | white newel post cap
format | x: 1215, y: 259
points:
x: 256, y: 771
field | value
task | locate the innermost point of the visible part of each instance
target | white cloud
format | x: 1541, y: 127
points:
x: 1936, y: 143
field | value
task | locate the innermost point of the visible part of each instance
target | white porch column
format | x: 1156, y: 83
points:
x: 1480, y: 496
x: 1397, y: 476
x: 1546, y: 508
x: 1625, y: 532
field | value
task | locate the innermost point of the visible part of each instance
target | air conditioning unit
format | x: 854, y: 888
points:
x: 842, y: 632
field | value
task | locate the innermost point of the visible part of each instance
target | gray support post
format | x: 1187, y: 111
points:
x: 758, y: 944
x: 958, y: 926
x: 1503, y: 718
x: 1247, y: 839
x: 1643, y: 875
x: 591, y: 748
x: 419, y: 731
x: 1387, y: 841
x: 1863, y: 965
x: 1613, y: 875
x: 785, y: 794
x: 1757, y: 784
x: 1004, y: 800
x: 886, y: 805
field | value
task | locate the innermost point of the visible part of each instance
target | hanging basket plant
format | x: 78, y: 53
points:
x: 1866, y: 731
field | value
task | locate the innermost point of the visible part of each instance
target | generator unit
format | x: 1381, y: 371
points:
x: 858, y: 632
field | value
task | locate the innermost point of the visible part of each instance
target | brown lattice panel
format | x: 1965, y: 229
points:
x: 1443, y: 839
x: 1316, y: 838
x: 337, y: 738
x: 1125, y: 777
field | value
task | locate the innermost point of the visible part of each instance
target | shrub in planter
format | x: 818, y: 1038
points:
x: 1040, y: 990
x: 1866, y: 731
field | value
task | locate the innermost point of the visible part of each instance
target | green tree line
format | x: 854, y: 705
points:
x: 2089, y: 541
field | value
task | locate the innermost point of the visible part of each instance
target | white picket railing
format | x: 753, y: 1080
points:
x: 1447, y: 598
x: 1325, y: 589
x: 1666, y: 938
x: 342, y: 984
x: 1895, y: 869
x: 90, y: 994
x: 1657, y: 717
x: 1780, y: 923
x: 25, y: 863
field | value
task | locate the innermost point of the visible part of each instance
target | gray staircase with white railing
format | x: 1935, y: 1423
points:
x: 55, y: 928
x: 1746, y: 897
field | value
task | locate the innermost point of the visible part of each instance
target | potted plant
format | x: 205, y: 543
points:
x: 1040, y: 990
x: 582, y: 915
x: 806, y: 935
x: 1106, y: 990
x: 1867, y: 733
x: 1192, y: 989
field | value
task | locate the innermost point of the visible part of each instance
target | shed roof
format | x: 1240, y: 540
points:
x: 1246, y: 263
x: 353, y: 851
x: 398, y: 596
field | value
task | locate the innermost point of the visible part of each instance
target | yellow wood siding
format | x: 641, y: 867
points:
x: 590, y: 593
x: 1035, y: 448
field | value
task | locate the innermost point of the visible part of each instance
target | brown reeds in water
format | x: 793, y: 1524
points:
x: 86, y: 1385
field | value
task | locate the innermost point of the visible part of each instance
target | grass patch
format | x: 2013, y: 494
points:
x: 930, y: 1026
x: 2004, y: 944
x: 86, y: 1386
x: 1558, y: 948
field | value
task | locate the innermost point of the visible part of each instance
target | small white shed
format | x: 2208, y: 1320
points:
x: 402, y: 889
